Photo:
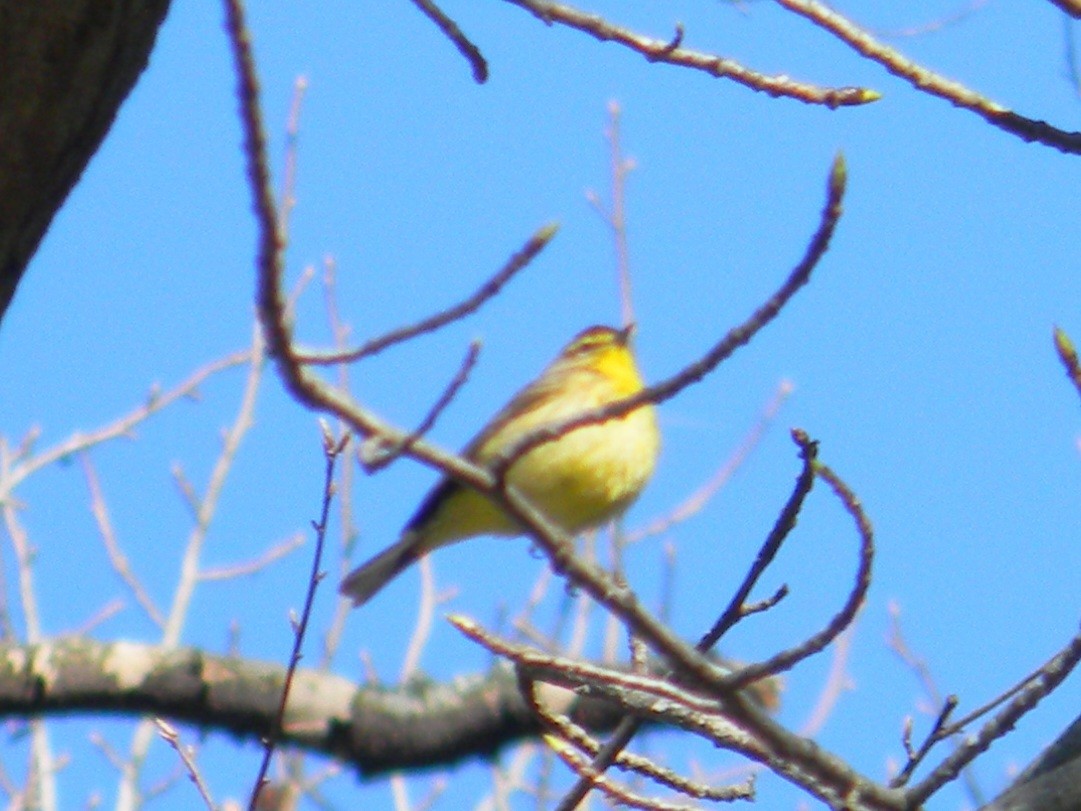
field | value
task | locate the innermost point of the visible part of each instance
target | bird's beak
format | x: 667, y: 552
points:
x: 627, y: 333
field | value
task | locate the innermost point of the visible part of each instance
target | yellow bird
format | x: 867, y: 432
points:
x: 579, y: 480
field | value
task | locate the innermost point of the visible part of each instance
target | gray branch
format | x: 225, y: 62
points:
x: 374, y: 729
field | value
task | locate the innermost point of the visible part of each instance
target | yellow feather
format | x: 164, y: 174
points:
x: 579, y: 480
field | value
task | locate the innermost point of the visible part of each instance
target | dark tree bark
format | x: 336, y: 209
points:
x: 65, y: 68
x: 1052, y: 782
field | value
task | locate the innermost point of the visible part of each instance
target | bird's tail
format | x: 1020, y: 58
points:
x: 362, y: 583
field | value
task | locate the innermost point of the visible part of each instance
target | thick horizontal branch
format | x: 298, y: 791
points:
x: 374, y: 729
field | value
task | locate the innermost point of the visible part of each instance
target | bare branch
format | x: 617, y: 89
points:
x: 630, y: 725
x: 170, y: 734
x: 784, y: 524
x: 938, y: 23
x: 106, y: 612
x: 332, y: 448
x: 731, y: 722
x: 124, y: 426
x: 117, y: 558
x: 292, y: 131
x: 927, y: 81
x: 422, y: 630
x: 1050, y: 676
x: 924, y: 676
x: 347, y: 473
x: 314, y: 393
x: 250, y: 567
x: 375, y: 455
x: 577, y: 736
x: 847, y: 614
x: 188, y: 576
x: 916, y: 755
x: 617, y: 794
x: 450, y: 28
x: 616, y: 217
x: 694, y: 503
x: 526, y: 254
x: 733, y: 340
x: 671, y: 52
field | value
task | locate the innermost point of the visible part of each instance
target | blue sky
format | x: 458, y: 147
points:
x: 920, y: 354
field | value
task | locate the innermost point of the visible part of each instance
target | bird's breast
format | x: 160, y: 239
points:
x: 590, y: 474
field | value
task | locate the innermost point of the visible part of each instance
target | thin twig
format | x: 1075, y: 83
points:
x: 186, y: 489
x: 616, y: 793
x: 670, y: 52
x: 721, y: 351
x: 346, y: 473
x: 121, y: 564
x: 938, y: 23
x: 922, y: 672
x: 257, y: 564
x: 526, y: 254
x: 576, y: 735
x: 782, y: 527
x: 836, y: 682
x: 731, y: 723
x: 630, y: 725
x: 697, y: 500
x: 450, y: 28
x: 24, y: 564
x: 575, y: 673
x: 924, y: 80
x: 1051, y: 676
x: 314, y: 393
x: 616, y: 217
x: 422, y: 630
x: 847, y: 614
x: 292, y: 132
x: 916, y: 755
x: 188, y: 578
x: 207, y: 505
x: 172, y: 737
x: 123, y: 426
x: 332, y: 448
x: 375, y: 455
x: 106, y: 612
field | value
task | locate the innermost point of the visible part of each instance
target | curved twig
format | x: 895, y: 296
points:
x: 842, y: 619
x: 736, y: 337
x: 450, y: 28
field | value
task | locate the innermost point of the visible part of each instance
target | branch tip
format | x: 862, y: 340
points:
x: 838, y: 176
x: 462, y: 623
x: 1065, y: 347
x: 545, y: 234
x: 1067, y: 353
